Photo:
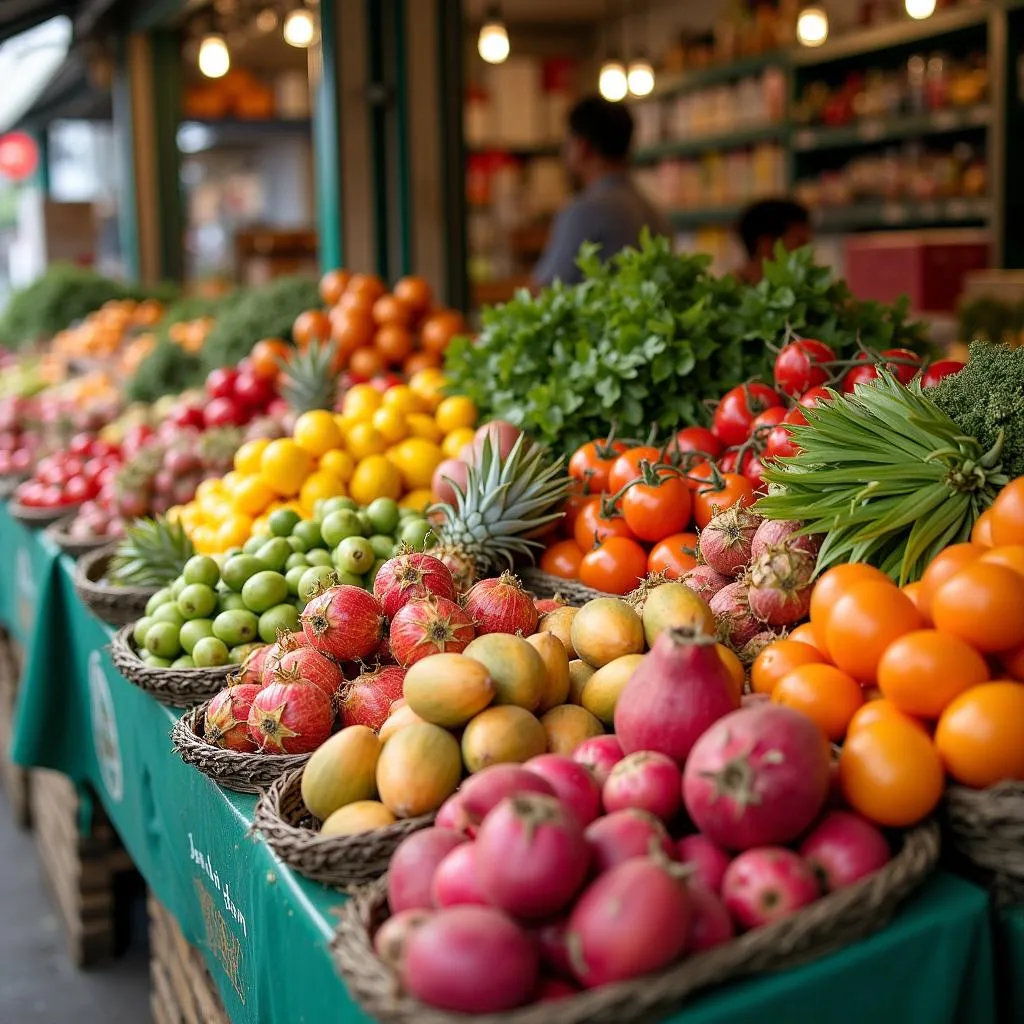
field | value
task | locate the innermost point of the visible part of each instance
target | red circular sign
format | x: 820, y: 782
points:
x: 19, y: 156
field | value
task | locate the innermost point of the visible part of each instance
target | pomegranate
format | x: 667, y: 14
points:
x: 725, y: 542
x: 503, y: 437
x: 773, y: 533
x: 766, y: 884
x: 633, y: 919
x: 501, y: 606
x: 276, y: 651
x: 413, y: 865
x: 554, y: 951
x: 482, y: 792
x: 411, y: 577
x: 345, y: 623
x: 456, y: 880
x: 780, y: 586
x: 705, y: 582
x: 736, y: 622
x: 367, y: 700
x: 710, y: 923
x: 679, y: 690
x: 431, y: 625
x: 289, y: 717
x: 305, y: 663
x: 251, y: 670
x: 842, y: 848
x: 452, y: 815
x: 392, y: 935
x: 647, y: 781
x: 600, y: 754
x: 572, y: 783
x: 226, y: 723
x: 532, y: 857
x: 623, y: 835
x: 757, y: 777
x: 546, y: 605
x: 470, y: 960
x: 550, y: 990
x: 708, y: 860
x: 449, y: 480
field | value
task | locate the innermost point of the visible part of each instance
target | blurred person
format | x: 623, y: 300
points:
x: 609, y: 210
x: 765, y: 223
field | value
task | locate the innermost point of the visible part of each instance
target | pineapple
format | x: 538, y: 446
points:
x: 503, y: 508
x: 311, y: 381
x: 152, y: 554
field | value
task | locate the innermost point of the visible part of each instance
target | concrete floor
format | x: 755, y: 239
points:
x: 38, y: 984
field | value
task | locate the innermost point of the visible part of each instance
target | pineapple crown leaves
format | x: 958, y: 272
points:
x: 310, y: 378
x: 152, y: 554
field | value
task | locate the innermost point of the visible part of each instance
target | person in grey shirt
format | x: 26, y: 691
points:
x: 609, y: 210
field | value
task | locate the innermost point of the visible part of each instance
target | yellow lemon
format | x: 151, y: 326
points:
x: 317, y: 432
x: 422, y: 425
x: 204, y: 540
x: 417, y: 500
x: 429, y: 385
x: 403, y: 399
x: 456, y: 441
x: 361, y: 400
x: 339, y: 418
x: 320, y: 484
x: 261, y: 526
x: 251, y: 495
x: 391, y: 425
x: 247, y: 458
x: 208, y: 488
x: 364, y: 440
x: 416, y: 459
x: 454, y: 412
x: 230, y: 480
x: 234, y: 531
x: 375, y: 477
x: 284, y: 466
x: 339, y: 462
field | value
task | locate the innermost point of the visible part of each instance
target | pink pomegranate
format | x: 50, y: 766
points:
x: 413, y: 865
x: 708, y: 860
x: 470, y: 960
x: 456, y: 880
x: 501, y: 606
x: 766, y: 884
x: 646, y: 781
x: 681, y: 688
x: 482, y: 792
x: 710, y: 924
x: 774, y: 533
x: 345, y: 623
x: 532, y: 857
x: 290, y: 717
x: 623, y: 835
x: 251, y: 670
x: 843, y: 848
x: 780, y: 586
x: 725, y: 541
x: 600, y: 754
x: 275, y: 652
x: 226, y: 723
x: 633, y: 919
x: 554, y: 950
x: 573, y: 784
x: 430, y: 625
x: 411, y: 577
x: 449, y: 476
x: 757, y: 777
x: 392, y: 935
x: 736, y: 622
x: 367, y: 700
x: 546, y: 605
x: 503, y: 437
x: 452, y: 815
x: 305, y: 663
x: 705, y: 582
x: 550, y: 990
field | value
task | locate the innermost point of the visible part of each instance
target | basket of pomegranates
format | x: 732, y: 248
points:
x: 115, y: 604
x: 581, y: 879
x: 72, y: 535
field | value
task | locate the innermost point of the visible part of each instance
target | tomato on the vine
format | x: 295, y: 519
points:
x: 626, y: 467
x: 730, y: 489
x: 904, y: 371
x: 592, y: 462
x: 737, y: 410
x: 798, y: 366
x: 574, y: 504
x: 594, y: 525
x: 698, y: 474
x: 656, y: 505
x: 696, y: 439
x: 813, y: 397
x: 562, y: 559
x: 616, y: 566
x: 765, y: 421
x: 780, y: 443
x: 674, y: 556
x: 940, y: 370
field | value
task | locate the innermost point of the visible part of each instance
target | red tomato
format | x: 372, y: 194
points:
x: 626, y: 467
x: 593, y: 526
x: 780, y: 443
x: 904, y: 371
x: 763, y: 424
x: 674, y: 556
x: 733, y: 490
x: 937, y: 371
x: 616, y: 566
x: 736, y: 411
x: 223, y: 412
x: 79, y: 488
x: 655, y: 509
x: 255, y: 391
x: 815, y: 396
x: 592, y: 462
x: 697, y: 439
x: 220, y: 383
x: 798, y: 366
x: 80, y: 444
x: 698, y: 475
x: 573, y: 506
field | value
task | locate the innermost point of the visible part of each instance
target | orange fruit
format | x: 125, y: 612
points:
x: 389, y: 310
x: 333, y: 285
x: 874, y: 710
x: 439, y: 329
x: 1010, y: 555
x: 414, y: 293
x: 366, y: 362
x: 777, y: 660
x: 366, y: 284
x: 1007, y: 514
x: 982, y: 604
x: 981, y: 532
x: 310, y: 326
x: 980, y: 736
x: 804, y: 634
x: 393, y: 341
x: 830, y: 588
x: 947, y: 562
x: 827, y: 695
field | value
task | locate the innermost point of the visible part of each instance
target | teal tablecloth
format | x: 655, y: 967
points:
x: 264, y: 930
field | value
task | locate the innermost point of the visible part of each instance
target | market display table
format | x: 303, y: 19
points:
x: 264, y: 930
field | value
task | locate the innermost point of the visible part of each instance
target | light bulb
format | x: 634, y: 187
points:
x: 266, y: 20
x: 612, y: 83
x: 214, y: 57
x: 920, y: 9
x: 299, y: 28
x: 492, y: 43
x: 812, y: 26
x: 640, y: 78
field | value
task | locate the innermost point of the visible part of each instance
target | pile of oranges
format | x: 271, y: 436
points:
x: 375, y: 331
x: 918, y: 683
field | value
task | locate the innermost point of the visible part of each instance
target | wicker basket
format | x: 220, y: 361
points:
x: 71, y: 545
x: 114, y: 605
x: 342, y: 861
x: 985, y: 827
x: 833, y: 922
x: 9, y: 483
x: 544, y: 585
x: 244, y: 773
x: 30, y: 515
x: 178, y: 687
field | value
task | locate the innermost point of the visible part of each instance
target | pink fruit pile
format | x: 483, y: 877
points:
x: 542, y: 880
x: 72, y: 475
x: 20, y: 441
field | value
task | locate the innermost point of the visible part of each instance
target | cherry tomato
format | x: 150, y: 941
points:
x: 80, y: 488
x: 698, y: 474
x: 593, y: 526
x: 735, y: 413
x: 752, y: 468
x: 223, y: 412
x: 255, y: 391
x: 616, y: 566
x: 574, y: 504
x: 697, y: 439
x: 780, y: 443
x: 655, y: 509
x: 939, y: 370
x: 903, y: 371
x: 592, y: 462
x: 220, y: 383
x: 80, y: 444
x: 798, y: 366
x: 734, y: 490
x: 626, y: 467
x: 815, y: 396
x: 562, y: 559
x: 763, y: 423
x: 674, y: 556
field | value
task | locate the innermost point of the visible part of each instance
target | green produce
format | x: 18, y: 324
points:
x: 210, y: 652
x: 887, y: 475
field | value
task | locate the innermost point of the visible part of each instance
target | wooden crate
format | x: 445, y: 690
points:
x: 181, y: 989
x: 13, y: 778
x: 81, y: 869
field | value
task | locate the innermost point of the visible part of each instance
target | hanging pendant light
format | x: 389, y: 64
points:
x: 640, y: 77
x: 299, y: 28
x: 613, y: 81
x: 920, y: 9
x: 812, y: 26
x: 214, y: 57
x: 492, y: 44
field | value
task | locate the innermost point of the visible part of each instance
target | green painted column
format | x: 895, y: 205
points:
x: 327, y: 143
x: 127, y: 206
x: 166, y: 113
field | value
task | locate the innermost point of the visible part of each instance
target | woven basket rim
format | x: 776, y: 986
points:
x: 89, y: 567
x: 341, y: 861
x: 986, y: 828
x: 33, y: 516
x: 76, y: 546
x: 543, y: 585
x: 832, y: 922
